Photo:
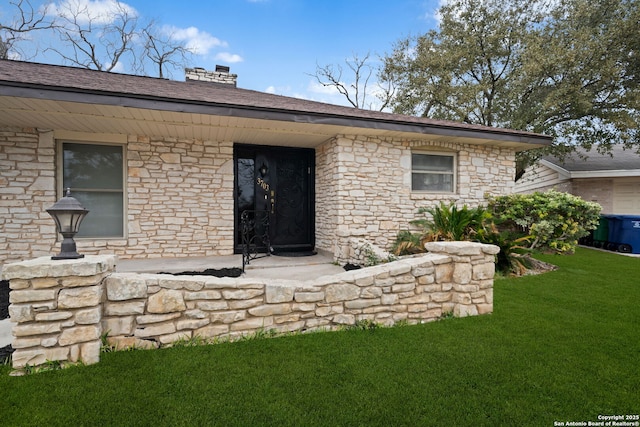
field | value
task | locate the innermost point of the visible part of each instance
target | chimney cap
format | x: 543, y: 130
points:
x: 222, y: 69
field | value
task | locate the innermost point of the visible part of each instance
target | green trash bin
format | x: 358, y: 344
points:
x: 601, y: 233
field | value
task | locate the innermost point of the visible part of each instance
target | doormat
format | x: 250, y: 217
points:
x: 295, y: 253
x: 220, y: 272
x: 4, y: 299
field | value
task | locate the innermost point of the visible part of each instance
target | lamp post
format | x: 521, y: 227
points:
x: 68, y: 213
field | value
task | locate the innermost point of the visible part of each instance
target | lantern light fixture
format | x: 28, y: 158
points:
x: 68, y: 213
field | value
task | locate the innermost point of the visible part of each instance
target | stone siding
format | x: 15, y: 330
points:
x: 27, y: 188
x: 220, y: 75
x: 179, y: 198
x: 63, y: 307
x: 365, y: 189
x: 179, y: 193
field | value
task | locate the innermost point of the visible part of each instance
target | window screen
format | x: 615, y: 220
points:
x: 433, y: 172
x: 95, y: 175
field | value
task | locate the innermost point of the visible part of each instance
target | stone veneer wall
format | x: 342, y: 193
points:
x: 180, y: 193
x: 364, y: 186
x: 179, y: 198
x: 63, y: 307
x: 27, y: 188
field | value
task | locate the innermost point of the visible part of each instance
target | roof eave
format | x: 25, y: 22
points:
x: 50, y: 93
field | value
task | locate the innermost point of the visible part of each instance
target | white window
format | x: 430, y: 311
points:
x: 95, y: 174
x: 433, y: 172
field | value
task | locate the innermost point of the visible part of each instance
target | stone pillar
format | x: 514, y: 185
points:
x: 469, y: 275
x: 57, y: 308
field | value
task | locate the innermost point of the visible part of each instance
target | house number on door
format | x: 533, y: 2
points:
x: 263, y: 184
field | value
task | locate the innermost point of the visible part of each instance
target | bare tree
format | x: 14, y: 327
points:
x: 361, y: 72
x: 14, y: 30
x: 98, y: 42
x: 162, y: 50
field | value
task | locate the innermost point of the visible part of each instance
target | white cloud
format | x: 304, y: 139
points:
x: 279, y: 90
x: 95, y: 11
x: 315, y: 87
x: 231, y: 58
x: 119, y: 68
x: 199, y: 42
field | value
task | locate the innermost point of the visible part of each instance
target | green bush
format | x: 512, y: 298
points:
x: 511, y: 259
x: 554, y: 220
x: 445, y: 222
x: 448, y: 222
x: 407, y: 243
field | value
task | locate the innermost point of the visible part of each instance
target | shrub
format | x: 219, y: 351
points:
x: 407, y: 243
x: 444, y: 222
x: 554, y: 220
x: 510, y: 259
x: 447, y: 222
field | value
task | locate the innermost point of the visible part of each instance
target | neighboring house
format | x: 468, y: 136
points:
x: 166, y: 168
x: 612, y: 180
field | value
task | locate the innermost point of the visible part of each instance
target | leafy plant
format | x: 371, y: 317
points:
x: 448, y: 222
x: 105, y: 346
x: 510, y: 260
x: 371, y: 257
x: 193, y: 341
x: 49, y: 365
x: 554, y: 220
x: 408, y: 243
x: 446, y: 315
x: 444, y: 222
x: 363, y: 325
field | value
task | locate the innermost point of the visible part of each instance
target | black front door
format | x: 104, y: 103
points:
x: 277, y: 182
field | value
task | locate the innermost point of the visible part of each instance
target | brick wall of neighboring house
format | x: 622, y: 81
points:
x: 180, y: 193
x: 598, y: 190
x: 541, y: 178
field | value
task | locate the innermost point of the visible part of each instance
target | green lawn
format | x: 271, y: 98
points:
x: 563, y: 346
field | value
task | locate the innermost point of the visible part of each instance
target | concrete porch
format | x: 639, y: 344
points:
x: 272, y: 267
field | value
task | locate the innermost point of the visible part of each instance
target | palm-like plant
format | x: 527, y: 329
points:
x: 448, y: 222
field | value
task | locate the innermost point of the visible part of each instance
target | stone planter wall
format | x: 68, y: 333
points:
x: 63, y: 307
x: 57, y: 308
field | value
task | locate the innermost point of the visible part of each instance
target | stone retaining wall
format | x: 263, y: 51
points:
x: 62, y: 308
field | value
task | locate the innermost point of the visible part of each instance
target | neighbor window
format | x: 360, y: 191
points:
x: 95, y: 175
x: 433, y: 172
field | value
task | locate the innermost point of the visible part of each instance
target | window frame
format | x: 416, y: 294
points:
x: 61, y: 189
x: 453, y: 173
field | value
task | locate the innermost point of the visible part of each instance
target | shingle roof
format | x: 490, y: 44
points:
x: 83, y: 81
x: 584, y: 161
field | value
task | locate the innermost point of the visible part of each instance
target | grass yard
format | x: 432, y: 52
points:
x: 563, y: 346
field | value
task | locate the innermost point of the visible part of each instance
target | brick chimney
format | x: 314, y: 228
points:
x: 220, y: 75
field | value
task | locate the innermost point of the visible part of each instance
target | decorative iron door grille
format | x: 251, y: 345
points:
x: 254, y: 229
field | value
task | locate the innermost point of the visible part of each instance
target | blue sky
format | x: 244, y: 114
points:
x: 274, y: 44
x: 280, y: 41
